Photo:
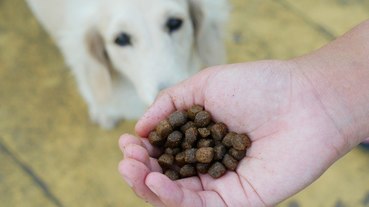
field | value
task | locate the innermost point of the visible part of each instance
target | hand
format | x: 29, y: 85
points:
x: 294, y: 139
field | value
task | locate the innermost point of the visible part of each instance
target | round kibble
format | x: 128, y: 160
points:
x: 204, y: 132
x: 229, y: 162
x: 164, y: 128
x: 202, y: 167
x: 190, y: 155
x: 227, y: 140
x: 172, y: 174
x: 237, y: 154
x: 205, y: 143
x: 218, y: 131
x: 172, y: 151
x: 187, y: 171
x: 204, y: 154
x: 241, y: 142
x: 186, y: 145
x: 202, y: 119
x: 188, y: 125
x: 174, y: 139
x: 217, y: 170
x: 191, y: 135
x: 177, y: 119
x: 191, y: 112
x: 155, y: 139
x: 166, y: 160
x: 180, y: 159
x: 219, y: 152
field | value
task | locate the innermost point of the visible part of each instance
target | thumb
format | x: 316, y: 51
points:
x: 178, y: 97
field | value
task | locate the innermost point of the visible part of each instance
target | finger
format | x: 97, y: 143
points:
x: 171, y: 194
x: 139, y: 153
x: 134, y: 173
x: 192, y: 183
x: 181, y: 96
x: 127, y: 139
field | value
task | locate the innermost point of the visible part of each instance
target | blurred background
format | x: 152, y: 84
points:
x: 51, y: 154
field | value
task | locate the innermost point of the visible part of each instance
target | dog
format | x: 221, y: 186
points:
x: 123, y: 52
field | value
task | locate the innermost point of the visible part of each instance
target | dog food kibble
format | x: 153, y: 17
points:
x: 192, y: 143
x: 227, y: 140
x: 229, y: 162
x: 174, y: 139
x: 202, y: 167
x: 191, y: 112
x: 177, y: 118
x: 217, y: 170
x: 237, y: 154
x: 218, y: 131
x: 155, y: 139
x: 205, y: 155
x: 219, y: 152
x: 205, y: 143
x: 187, y: 171
x: 172, y: 174
x: 202, y: 119
x: 166, y: 161
x: 204, y: 132
x: 164, y: 128
x: 241, y: 142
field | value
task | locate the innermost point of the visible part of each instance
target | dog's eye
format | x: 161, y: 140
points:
x: 123, y: 39
x: 174, y: 24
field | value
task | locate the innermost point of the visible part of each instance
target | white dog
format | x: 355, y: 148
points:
x: 123, y: 52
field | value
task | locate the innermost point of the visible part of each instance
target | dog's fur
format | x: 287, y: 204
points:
x: 119, y: 82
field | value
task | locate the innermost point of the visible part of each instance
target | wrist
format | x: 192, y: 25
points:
x: 339, y: 75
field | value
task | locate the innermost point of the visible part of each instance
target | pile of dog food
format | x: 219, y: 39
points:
x: 192, y: 143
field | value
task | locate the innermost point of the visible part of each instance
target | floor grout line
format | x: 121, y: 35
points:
x: 34, y: 177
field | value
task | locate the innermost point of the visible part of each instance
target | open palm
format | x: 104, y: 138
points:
x: 294, y: 139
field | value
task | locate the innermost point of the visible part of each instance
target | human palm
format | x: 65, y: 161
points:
x: 294, y: 140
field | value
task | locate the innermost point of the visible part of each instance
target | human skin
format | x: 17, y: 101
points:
x: 301, y: 114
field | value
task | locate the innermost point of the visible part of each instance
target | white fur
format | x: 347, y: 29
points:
x: 121, y: 84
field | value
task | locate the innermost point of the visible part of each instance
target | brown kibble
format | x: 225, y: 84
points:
x: 205, y: 143
x: 205, y: 155
x: 164, y: 128
x: 155, y: 139
x: 237, y: 154
x: 180, y: 159
x: 166, y: 160
x: 174, y: 139
x: 191, y: 135
x: 202, y: 167
x: 186, y: 145
x: 227, y: 140
x: 187, y: 171
x: 217, y: 170
x: 241, y: 142
x: 177, y: 118
x: 190, y: 155
x: 219, y: 151
x: 172, y: 174
x: 218, y: 131
x: 172, y: 151
x: 202, y: 119
x: 191, y: 112
x: 204, y: 132
x: 229, y: 162
x: 188, y: 125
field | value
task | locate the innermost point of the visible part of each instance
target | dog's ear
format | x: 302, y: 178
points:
x: 99, y: 68
x: 209, y: 18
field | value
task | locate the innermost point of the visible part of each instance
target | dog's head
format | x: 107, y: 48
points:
x: 157, y: 43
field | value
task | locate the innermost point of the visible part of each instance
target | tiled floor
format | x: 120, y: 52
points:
x: 50, y: 153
